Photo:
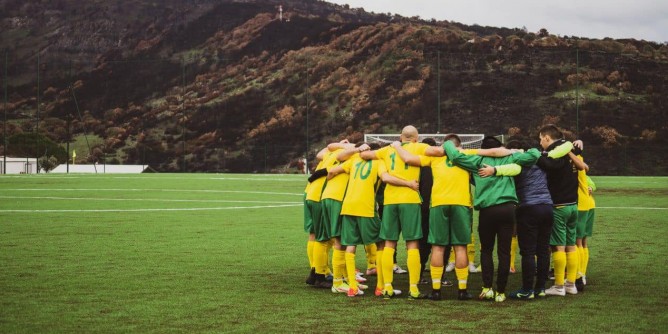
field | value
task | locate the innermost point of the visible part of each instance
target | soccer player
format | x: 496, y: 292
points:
x: 331, y: 201
x: 496, y: 199
x: 585, y: 224
x: 360, y: 223
x: 450, y: 214
x: 562, y: 182
x: 401, y: 212
x: 313, y: 219
x: 426, y: 183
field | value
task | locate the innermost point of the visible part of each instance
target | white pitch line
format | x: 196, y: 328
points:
x: 141, y: 199
x: 154, y: 210
x: 157, y: 190
x: 629, y: 208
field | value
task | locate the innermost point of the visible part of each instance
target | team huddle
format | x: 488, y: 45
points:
x: 369, y: 195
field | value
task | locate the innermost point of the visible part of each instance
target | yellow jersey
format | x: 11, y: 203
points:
x: 363, y: 181
x: 314, y: 189
x: 398, y: 168
x: 451, y: 183
x: 335, y: 188
x: 585, y: 200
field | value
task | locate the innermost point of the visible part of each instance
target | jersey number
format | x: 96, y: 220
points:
x: 363, y: 169
x: 393, y: 156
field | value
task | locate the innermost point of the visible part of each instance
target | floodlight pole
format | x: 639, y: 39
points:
x: 577, y: 92
x: 37, y: 126
x: 307, y: 144
x: 183, y: 115
x: 438, y: 90
x: 4, y: 132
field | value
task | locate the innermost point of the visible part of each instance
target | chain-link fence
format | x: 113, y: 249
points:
x: 208, y: 111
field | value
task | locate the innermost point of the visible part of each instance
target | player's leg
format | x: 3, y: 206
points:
x: 513, y: 250
x: 544, y: 217
x: 460, y: 225
x: 505, y: 218
x: 558, y: 244
x: 411, y: 228
x: 572, y: 256
x: 487, y: 237
x: 438, y: 238
x: 389, y: 231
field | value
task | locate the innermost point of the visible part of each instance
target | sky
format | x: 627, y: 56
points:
x: 638, y: 19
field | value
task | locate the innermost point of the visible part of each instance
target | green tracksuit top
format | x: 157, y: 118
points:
x: 494, y: 190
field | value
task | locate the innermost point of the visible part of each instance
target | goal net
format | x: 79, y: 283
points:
x: 468, y: 140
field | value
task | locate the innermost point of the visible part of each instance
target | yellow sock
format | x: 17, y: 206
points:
x: 585, y: 260
x: 320, y: 257
x: 339, y: 266
x: 379, y: 270
x: 572, y: 265
x: 436, y: 274
x: 350, y: 267
x: 414, y: 268
x: 580, y: 253
x: 470, y: 252
x: 452, y: 255
x: 309, y: 252
x: 328, y: 245
x: 370, y: 251
x: 559, y: 259
x: 513, y: 252
x: 388, y: 274
x: 462, y: 277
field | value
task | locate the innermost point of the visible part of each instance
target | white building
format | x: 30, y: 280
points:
x: 18, y: 165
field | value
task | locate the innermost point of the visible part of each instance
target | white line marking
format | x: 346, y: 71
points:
x: 629, y: 208
x: 154, y: 210
x: 141, y: 199
x: 157, y: 190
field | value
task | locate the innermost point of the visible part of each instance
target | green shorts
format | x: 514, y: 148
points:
x: 331, y: 214
x: 308, y: 220
x: 450, y: 225
x: 359, y: 230
x: 401, y: 218
x: 564, y: 227
x: 320, y: 230
x: 585, y: 226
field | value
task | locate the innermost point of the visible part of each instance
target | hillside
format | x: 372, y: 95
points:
x: 228, y: 86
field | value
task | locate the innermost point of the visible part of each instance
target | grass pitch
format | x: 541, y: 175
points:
x: 226, y: 253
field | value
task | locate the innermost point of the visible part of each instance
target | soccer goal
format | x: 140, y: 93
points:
x: 468, y: 140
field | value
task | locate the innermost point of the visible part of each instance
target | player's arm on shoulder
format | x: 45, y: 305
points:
x: 496, y: 152
x: 334, y: 172
x: 561, y: 150
x: 318, y: 174
x: 578, y: 162
x: 369, y: 155
x: 528, y: 158
x: 467, y: 162
x: 350, y: 151
x: 501, y: 170
x: 408, y: 157
x: 434, y: 151
x: 395, y: 181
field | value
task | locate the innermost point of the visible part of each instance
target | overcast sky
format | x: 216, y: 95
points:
x: 639, y: 19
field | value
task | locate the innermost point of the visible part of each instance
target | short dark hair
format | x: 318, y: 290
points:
x: 552, y: 131
x: 429, y: 141
x: 374, y: 146
x: 453, y: 138
x: 490, y: 142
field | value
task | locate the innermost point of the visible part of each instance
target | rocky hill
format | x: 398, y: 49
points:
x: 233, y: 86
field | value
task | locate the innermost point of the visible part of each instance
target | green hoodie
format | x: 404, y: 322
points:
x: 490, y: 191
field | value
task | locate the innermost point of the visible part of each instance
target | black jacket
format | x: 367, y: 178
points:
x: 562, y: 177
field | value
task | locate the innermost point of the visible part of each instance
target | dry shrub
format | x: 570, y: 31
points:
x: 614, y: 77
x: 607, y: 134
x: 648, y: 134
x: 514, y: 131
x: 602, y: 89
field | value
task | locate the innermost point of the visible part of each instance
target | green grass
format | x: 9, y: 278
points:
x: 230, y: 256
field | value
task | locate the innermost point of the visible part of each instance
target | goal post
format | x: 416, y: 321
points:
x: 469, y: 140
